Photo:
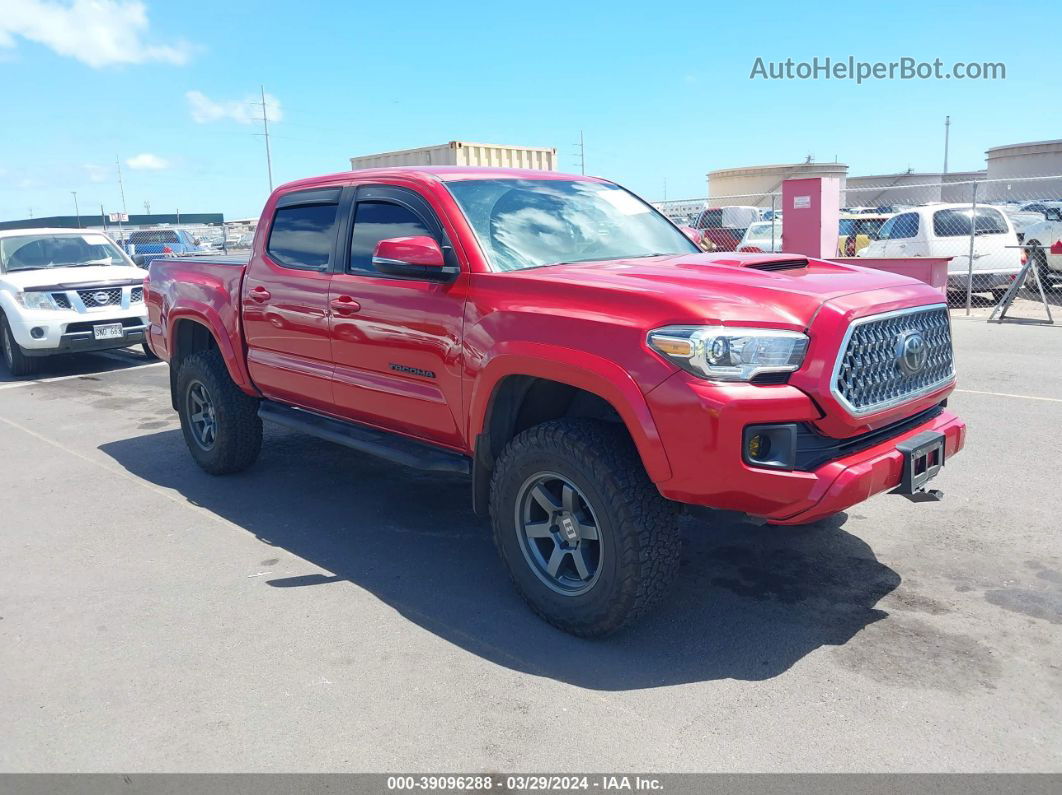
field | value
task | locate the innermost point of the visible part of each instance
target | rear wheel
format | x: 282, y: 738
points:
x: 588, y: 541
x: 1039, y: 259
x: 220, y: 422
x: 18, y: 363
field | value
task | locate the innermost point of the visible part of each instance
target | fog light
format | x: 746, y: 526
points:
x: 772, y: 446
x: 758, y: 446
x: 37, y: 333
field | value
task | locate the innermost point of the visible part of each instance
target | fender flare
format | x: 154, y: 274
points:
x: 208, y: 317
x: 579, y: 369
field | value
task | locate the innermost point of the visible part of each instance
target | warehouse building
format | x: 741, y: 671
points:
x: 100, y: 222
x: 464, y: 153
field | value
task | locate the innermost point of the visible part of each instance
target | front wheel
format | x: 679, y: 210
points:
x: 586, y: 537
x: 17, y: 362
x: 220, y: 422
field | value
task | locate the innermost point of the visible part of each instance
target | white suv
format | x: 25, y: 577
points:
x: 66, y: 291
x: 943, y: 230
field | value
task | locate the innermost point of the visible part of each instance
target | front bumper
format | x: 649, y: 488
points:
x: 701, y: 426
x: 53, y: 332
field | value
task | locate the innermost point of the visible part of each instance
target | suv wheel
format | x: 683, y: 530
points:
x: 1042, y: 269
x: 588, y: 541
x: 220, y: 422
x: 17, y: 362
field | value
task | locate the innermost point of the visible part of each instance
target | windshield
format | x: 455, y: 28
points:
x: 34, y: 252
x: 528, y: 223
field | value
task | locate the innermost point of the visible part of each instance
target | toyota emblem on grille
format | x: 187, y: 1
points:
x: 911, y: 352
x: 101, y: 297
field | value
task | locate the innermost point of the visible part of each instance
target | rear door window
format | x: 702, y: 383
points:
x: 956, y: 222
x: 302, y: 236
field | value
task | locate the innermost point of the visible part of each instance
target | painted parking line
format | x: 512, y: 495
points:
x: 36, y: 382
x: 1009, y: 395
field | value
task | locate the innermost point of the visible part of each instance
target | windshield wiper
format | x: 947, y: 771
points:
x: 85, y: 264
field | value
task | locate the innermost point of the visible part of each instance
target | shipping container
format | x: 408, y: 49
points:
x: 463, y: 153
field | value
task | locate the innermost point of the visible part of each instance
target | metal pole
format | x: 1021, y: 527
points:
x: 947, y: 129
x: 973, y: 238
x: 582, y: 154
x: 77, y: 212
x: 103, y: 218
x: 774, y: 219
x: 265, y: 132
x: 121, y: 185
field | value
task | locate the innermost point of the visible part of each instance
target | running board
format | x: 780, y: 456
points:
x: 390, y: 446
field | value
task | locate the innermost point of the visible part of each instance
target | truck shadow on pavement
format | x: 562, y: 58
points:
x: 749, y: 603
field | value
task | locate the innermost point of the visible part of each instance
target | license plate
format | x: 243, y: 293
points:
x: 923, y: 456
x: 108, y: 331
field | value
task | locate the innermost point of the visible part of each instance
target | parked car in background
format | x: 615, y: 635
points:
x: 1040, y: 238
x: 63, y: 291
x: 1040, y: 207
x: 559, y: 341
x: 147, y: 245
x: 855, y: 231
x: 723, y: 227
x: 943, y: 230
x: 762, y: 236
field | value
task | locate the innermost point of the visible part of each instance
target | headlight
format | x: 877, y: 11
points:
x: 730, y: 354
x: 35, y: 300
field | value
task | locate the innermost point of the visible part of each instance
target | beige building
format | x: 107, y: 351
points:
x: 1008, y: 164
x: 910, y: 187
x: 753, y: 185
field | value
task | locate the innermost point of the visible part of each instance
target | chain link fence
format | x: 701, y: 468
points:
x: 146, y: 244
x: 988, y: 229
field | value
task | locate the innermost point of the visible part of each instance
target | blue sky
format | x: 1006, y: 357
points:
x: 661, y: 91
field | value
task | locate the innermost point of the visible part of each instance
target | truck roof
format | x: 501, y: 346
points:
x: 437, y: 174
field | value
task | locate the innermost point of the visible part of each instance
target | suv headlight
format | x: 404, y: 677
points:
x: 722, y: 353
x: 35, y: 300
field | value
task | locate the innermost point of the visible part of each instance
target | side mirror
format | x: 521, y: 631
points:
x: 1053, y: 214
x: 139, y: 260
x: 418, y: 257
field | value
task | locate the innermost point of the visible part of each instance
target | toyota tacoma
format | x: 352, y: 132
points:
x: 562, y: 343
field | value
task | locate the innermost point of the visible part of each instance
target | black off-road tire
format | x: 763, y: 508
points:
x: 1042, y: 269
x: 18, y: 363
x: 638, y: 528
x: 238, y: 437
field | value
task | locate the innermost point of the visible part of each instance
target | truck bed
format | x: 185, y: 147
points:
x: 210, y: 284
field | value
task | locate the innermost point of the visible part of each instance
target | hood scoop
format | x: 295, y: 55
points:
x: 778, y: 265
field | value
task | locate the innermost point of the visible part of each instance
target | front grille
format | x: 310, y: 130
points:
x: 61, y: 300
x: 136, y: 295
x: 93, y: 298
x: 870, y: 375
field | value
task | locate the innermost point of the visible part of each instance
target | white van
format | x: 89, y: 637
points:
x: 943, y: 230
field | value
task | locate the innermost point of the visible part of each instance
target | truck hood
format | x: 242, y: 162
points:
x: 72, y: 278
x: 773, y: 290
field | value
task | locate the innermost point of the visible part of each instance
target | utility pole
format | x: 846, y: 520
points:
x: 265, y: 133
x: 77, y: 212
x: 103, y: 217
x: 582, y: 154
x: 147, y: 207
x: 947, y: 129
x: 121, y: 185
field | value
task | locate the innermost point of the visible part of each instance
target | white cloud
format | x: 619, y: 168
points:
x: 95, y: 32
x: 147, y: 162
x: 247, y: 111
x: 95, y: 172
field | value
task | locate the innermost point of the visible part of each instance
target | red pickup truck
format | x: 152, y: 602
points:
x: 561, y: 342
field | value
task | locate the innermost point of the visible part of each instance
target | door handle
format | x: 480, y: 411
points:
x: 344, y: 305
x: 260, y: 294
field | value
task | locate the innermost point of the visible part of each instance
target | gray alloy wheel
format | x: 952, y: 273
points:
x: 202, y: 418
x: 558, y: 533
